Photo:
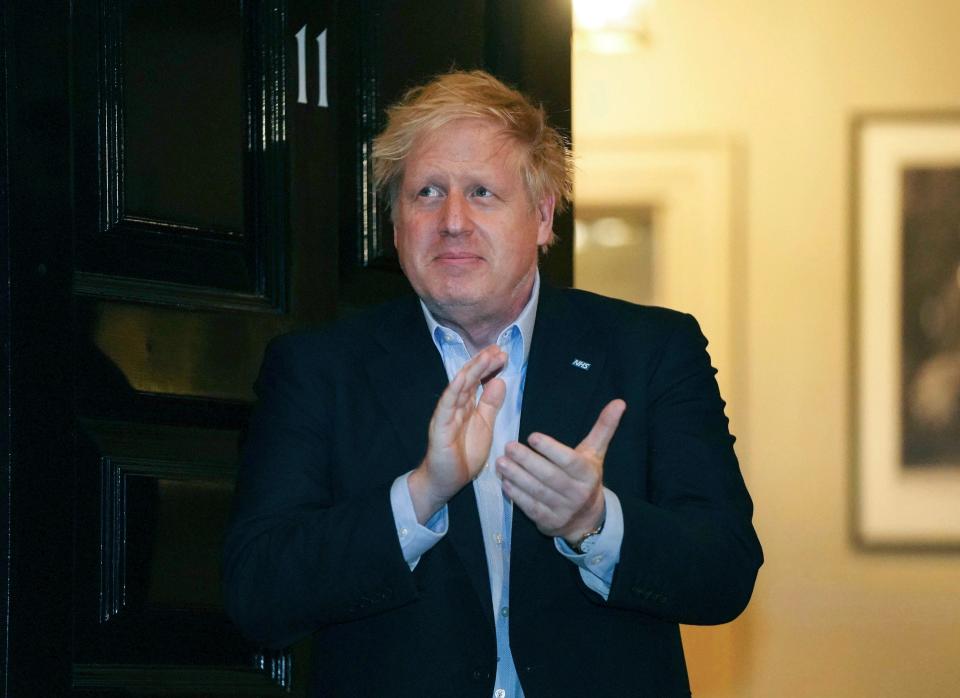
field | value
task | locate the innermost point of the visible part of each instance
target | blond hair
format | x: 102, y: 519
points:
x: 546, y: 162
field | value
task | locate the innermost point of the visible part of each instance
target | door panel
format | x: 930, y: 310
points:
x: 180, y: 160
x: 150, y: 548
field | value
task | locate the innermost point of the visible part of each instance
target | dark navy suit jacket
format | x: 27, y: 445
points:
x: 311, y: 547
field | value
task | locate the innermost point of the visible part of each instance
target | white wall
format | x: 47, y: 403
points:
x: 781, y: 82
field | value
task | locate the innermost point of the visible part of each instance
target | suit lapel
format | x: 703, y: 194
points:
x: 565, y: 365
x: 408, y: 378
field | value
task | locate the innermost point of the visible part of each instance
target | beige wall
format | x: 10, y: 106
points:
x: 781, y: 81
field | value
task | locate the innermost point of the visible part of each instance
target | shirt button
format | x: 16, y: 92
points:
x: 498, y: 538
x: 403, y: 532
x: 500, y: 693
x: 504, y: 611
x: 596, y: 559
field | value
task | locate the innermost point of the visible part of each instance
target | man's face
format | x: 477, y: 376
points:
x: 465, y: 229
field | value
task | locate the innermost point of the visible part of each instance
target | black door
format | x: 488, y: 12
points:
x: 182, y: 180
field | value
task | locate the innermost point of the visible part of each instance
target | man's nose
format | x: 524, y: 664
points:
x: 456, y: 216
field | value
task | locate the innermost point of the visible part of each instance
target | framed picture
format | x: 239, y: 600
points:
x: 906, y: 377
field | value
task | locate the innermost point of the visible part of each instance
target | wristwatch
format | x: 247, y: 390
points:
x: 586, y: 542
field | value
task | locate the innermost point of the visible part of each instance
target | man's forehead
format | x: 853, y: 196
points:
x: 467, y: 139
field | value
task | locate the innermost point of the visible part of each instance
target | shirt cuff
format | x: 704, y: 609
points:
x: 597, y: 566
x: 415, y: 539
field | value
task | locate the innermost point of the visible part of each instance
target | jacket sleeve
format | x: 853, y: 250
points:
x: 297, y: 558
x: 689, y: 551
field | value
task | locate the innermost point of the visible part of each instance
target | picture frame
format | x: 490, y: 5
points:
x: 905, y: 377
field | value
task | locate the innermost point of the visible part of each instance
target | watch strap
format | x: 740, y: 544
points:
x: 577, y: 547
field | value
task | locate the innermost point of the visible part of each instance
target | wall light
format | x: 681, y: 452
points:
x: 611, y: 26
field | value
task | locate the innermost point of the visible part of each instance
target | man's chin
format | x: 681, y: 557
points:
x: 455, y: 292
x: 457, y: 301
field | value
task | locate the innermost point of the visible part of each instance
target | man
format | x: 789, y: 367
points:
x: 501, y: 489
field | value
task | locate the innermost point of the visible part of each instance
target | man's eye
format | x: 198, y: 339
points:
x: 429, y: 191
x: 482, y: 192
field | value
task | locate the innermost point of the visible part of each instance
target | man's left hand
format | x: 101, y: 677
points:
x: 558, y: 487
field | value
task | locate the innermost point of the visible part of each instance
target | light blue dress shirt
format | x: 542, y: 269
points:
x: 496, y: 511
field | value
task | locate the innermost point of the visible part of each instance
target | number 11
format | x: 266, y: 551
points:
x: 302, y: 66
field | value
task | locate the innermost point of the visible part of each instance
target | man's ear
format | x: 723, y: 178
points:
x: 545, y: 220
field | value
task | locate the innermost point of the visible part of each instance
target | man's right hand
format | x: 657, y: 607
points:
x: 461, y: 431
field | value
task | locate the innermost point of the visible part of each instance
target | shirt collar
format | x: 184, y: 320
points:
x: 524, y: 322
